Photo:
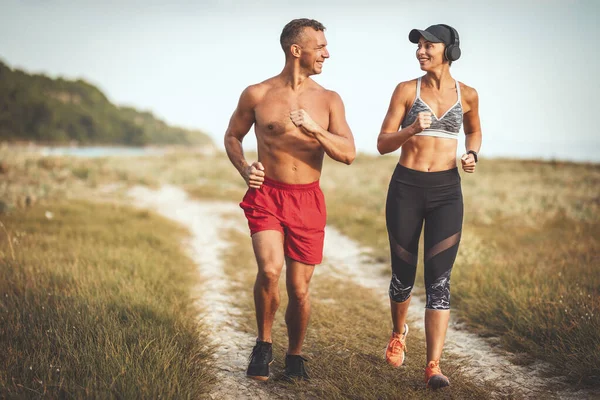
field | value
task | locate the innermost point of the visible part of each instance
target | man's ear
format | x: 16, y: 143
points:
x: 295, y: 50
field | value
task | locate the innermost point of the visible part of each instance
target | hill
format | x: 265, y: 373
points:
x: 58, y: 111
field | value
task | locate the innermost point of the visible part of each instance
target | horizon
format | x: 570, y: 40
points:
x: 181, y: 62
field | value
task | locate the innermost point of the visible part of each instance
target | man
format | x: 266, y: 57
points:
x: 296, y: 122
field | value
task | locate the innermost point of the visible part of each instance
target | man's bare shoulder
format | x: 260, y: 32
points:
x: 254, y: 93
x: 332, y: 96
x: 468, y: 93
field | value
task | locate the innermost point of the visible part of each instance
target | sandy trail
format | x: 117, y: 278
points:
x: 343, y: 257
x: 205, y: 220
x: 346, y: 258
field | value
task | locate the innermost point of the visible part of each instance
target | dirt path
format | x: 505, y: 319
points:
x: 204, y: 221
x: 342, y: 256
x: 482, y: 362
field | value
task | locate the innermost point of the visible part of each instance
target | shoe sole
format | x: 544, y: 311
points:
x: 260, y: 377
x: 392, y: 364
x: 437, y: 382
x: 404, y: 358
x: 294, y: 379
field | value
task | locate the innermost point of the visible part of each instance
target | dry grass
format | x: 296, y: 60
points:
x: 28, y: 177
x: 345, y: 341
x: 528, y: 268
x: 541, y: 291
x: 530, y: 234
x: 96, y: 304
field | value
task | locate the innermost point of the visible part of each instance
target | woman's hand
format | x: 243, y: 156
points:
x: 422, y: 122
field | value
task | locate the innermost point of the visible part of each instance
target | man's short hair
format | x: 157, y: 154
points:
x: 292, y: 31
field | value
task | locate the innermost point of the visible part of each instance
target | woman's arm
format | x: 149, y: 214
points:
x: 472, y: 128
x: 390, y: 138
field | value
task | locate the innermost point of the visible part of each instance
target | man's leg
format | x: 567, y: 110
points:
x: 298, y: 277
x: 296, y: 317
x: 268, y: 249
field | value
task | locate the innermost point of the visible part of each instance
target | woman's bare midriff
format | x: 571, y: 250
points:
x: 429, y: 154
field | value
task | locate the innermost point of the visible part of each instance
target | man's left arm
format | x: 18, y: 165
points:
x: 338, y: 141
x: 472, y: 128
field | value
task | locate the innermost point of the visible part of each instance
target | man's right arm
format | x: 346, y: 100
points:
x: 239, y: 125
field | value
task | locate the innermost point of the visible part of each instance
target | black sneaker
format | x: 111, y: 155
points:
x: 260, y: 359
x: 294, y: 368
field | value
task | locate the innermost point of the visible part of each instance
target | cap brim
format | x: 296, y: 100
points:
x: 416, y: 34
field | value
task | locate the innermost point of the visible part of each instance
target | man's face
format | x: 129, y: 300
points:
x: 314, y: 50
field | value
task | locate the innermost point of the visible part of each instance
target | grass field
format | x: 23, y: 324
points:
x: 345, y: 341
x: 528, y: 269
x: 95, y: 303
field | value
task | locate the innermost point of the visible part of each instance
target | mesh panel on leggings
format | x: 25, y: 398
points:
x: 443, y: 245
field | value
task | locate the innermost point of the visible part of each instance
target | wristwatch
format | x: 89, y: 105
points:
x: 474, y: 154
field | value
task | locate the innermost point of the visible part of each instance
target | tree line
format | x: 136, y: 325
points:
x: 35, y: 107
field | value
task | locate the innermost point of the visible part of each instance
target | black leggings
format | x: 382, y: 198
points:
x: 436, y: 198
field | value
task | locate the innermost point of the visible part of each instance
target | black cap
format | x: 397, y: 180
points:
x: 434, y: 34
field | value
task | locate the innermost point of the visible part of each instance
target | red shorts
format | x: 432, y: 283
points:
x: 297, y: 211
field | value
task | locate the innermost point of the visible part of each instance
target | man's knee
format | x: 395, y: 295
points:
x: 298, y: 293
x: 269, y: 275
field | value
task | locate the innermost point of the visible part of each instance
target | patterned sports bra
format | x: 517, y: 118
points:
x: 445, y: 127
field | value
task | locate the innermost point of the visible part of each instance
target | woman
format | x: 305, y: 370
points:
x: 425, y: 187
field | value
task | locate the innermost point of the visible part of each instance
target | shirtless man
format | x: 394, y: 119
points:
x: 296, y: 122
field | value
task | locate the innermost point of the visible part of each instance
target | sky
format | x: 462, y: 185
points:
x: 534, y: 63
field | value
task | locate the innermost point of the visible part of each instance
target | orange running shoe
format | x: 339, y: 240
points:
x: 396, y: 348
x: 434, y: 377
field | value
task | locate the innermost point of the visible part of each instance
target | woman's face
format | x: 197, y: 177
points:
x: 430, y: 55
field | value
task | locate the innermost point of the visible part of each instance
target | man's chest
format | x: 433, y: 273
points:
x: 272, y: 115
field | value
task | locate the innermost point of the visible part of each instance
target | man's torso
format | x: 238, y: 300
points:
x: 288, y: 154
